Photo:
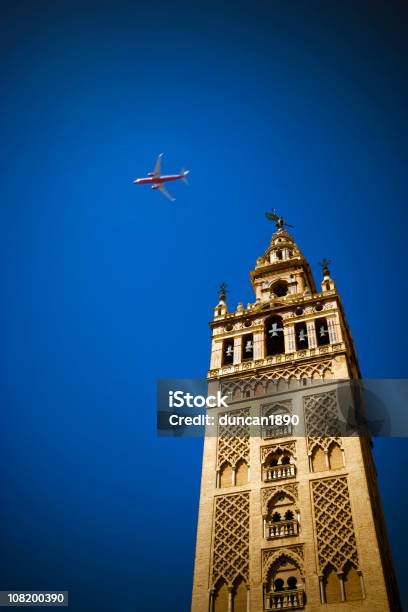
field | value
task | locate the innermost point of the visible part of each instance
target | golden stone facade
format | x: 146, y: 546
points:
x: 288, y: 522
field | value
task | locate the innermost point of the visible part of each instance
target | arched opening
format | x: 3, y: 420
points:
x: 274, y: 338
x: 228, y: 351
x: 335, y: 456
x: 239, y: 596
x: 280, y: 288
x: 322, y: 331
x: 332, y: 588
x: 279, y: 465
x: 281, y: 519
x: 284, y: 586
x: 259, y: 390
x: 241, y: 473
x: 319, y: 460
x: 237, y: 393
x: 301, y: 336
x: 226, y: 475
x: 352, y: 583
x: 327, y: 375
x: 221, y: 597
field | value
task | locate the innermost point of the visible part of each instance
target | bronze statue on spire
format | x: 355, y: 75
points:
x: 324, y: 264
x: 222, y: 292
x: 279, y: 221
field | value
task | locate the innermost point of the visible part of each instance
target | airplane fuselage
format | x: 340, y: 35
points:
x: 156, y: 179
x: 151, y: 180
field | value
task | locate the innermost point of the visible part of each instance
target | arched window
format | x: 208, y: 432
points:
x: 281, y: 520
x: 239, y: 595
x: 226, y: 475
x: 301, y: 336
x: 352, y: 583
x: 332, y: 588
x: 274, y: 339
x: 284, y: 588
x: 319, y: 460
x: 322, y: 331
x: 241, y: 473
x: 221, y: 597
x: 335, y: 457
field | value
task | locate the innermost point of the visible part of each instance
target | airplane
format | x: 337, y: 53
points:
x: 157, y: 180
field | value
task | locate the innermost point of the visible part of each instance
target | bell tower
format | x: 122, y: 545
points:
x: 290, y: 516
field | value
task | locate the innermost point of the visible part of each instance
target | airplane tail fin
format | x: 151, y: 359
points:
x: 184, y: 173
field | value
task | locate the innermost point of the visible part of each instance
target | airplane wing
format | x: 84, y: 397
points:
x: 166, y: 193
x: 157, y: 168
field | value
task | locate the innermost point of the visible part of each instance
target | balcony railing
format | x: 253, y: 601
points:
x: 278, y: 472
x: 277, y: 431
x: 285, y: 600
x: 281, y: 529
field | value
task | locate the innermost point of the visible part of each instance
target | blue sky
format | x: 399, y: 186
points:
x: 108, y: 287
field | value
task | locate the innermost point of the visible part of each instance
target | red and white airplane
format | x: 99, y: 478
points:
x: 157, y: 180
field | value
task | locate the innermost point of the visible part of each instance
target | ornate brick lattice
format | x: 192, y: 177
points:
x: 233, y: 441
x: 291, y: 371
x: 336, y: 540
x: 231, y: 538
x: 322, y: 420
x: 291, y: 490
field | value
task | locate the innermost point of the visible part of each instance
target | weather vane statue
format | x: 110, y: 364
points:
x: 279, y: 221
x: 324, y: 264
x: 222, y: 292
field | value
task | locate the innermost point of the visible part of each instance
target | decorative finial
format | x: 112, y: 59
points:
x: 279, y: 221
x: 324, y: 264
x: 222, y: 292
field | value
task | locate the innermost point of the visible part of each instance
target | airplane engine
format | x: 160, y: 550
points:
x: 155, y: 186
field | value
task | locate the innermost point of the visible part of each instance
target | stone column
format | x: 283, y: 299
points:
x: 331, y: 325
x: 321, y: 585
x: 363, y: 593
x: 216, y: 355
x: 237, y: 350
x: 211, y: 602
x: 229, y: 599
x: 259, y: 351
x: 289, y: 334
x: 343, y: 594
x: 311, y: 334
